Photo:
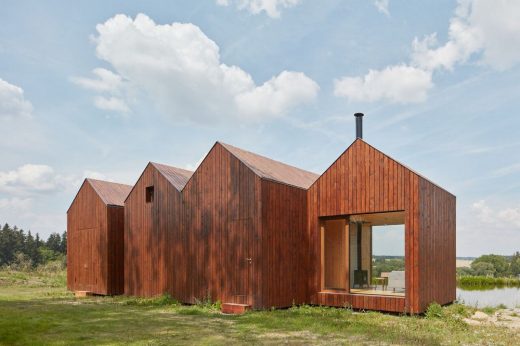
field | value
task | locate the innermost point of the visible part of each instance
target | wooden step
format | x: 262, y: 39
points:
x: 83, y: 294
x: 234, y: 309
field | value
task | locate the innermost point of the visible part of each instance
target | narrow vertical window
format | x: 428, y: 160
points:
x: 149, y: 194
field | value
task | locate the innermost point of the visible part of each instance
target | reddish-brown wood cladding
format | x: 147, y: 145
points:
x: 366, y: 302
x: 221, y: 222
x: 284, y: 256
x: 227, y: 235
x: 437, y: 245
x: 151, y: 240
x: 231, y: 234
x: 94, y: 244
x: 364, y: 180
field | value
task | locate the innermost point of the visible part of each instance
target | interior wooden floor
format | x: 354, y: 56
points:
x: 376, y: 292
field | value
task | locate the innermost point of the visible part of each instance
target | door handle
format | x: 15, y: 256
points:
x: 249, y: 260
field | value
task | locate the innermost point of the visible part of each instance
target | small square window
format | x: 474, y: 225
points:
x: 149, y: 194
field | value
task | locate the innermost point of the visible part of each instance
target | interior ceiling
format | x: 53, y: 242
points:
x: 379, y: 219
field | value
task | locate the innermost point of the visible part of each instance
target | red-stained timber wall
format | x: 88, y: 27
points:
x: 94, y: 244
x: 364, y: 180
x: 151, y: 241
x: 221, y: 222
x: 284, y: 247
x: 437, y: 248
x: 228, y: 235
x: 239, y: 238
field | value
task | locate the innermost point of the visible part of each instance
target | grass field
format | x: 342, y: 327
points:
x: 36, y: 309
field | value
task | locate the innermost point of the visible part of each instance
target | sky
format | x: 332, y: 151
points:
x: 99, y: 88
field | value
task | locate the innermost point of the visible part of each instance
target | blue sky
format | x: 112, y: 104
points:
x: 99, y: 88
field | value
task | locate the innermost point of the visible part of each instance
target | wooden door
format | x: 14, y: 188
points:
x: 240, y: 261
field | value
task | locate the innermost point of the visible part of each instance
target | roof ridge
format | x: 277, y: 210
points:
x: 111, y: 193
x: 106, y: 181
x: 170, y: 166
x: 176, y: 176
x: 268, y: 158
x: 273, y: 169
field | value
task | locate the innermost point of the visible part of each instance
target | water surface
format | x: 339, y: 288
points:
x: 509, y: 296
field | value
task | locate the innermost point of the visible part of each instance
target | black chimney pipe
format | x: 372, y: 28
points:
x: 359, y: 125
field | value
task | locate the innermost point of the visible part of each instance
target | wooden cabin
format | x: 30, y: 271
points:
x: 245, y: 221
x: 231, y: 231
x: 249, y: 231
x: 362, y: 192
x: 153, y: 239
x: 95, y: 238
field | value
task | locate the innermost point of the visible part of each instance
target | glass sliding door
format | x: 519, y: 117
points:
x: 376, y: 254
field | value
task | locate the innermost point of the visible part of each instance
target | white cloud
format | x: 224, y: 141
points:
x: 111, y: 104
x: 499, y: 24
x: 489, y: 28
x: 13, y: 105
x: 507, y: 217
x: 21, y: 212
x: 464, y: 40
x: 382, y: 6
x: 271, y: 7
x: 111, y: 85
x: 106, y: 81
x: 479, y: 27
x: 14, y: 204
x: 399, y: 84
x: 178, y: 68
x: 30, y: 179
x: 277, y: 95
x: 95, y: 175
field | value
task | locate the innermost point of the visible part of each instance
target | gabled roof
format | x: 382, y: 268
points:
x: 273, y: 170
x: 110, y: 193
x: 388, y: 156
x: 178, y: 177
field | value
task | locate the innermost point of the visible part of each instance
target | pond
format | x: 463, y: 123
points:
x: 508, y: 296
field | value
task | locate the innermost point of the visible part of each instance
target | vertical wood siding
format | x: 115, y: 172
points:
x: 364, y: 180
x: 152, y: 237
x: 195, y: 244
x: 284, y: 245
x: 228, y: 235
x: 221, y: 222
x: 94, y: 253
x: 437, y: 245
x: 231, y: 236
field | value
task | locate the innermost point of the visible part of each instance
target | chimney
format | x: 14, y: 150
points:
x: 359, y: 125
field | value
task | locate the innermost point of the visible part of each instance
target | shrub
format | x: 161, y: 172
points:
x: 486, y: 282
x: 53, y: 267
x: 434, y: 310
x: 208, y: 304
x: 21, y: 262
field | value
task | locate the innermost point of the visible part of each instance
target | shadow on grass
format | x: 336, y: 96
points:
x: 59, y: 319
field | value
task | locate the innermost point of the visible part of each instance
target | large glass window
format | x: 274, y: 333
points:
x: 376, y: 254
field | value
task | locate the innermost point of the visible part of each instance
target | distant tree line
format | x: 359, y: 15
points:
x: 386, y: 264
x: 493, y: 266
x: 18, y: 246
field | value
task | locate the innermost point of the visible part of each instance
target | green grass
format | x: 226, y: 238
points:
x: 36, y: 309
